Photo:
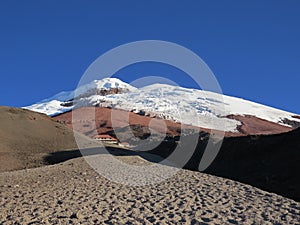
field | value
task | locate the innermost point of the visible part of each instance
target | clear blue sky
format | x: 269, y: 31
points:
x: 253, y: 47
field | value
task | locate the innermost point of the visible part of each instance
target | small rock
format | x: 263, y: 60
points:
x: 59, y: 202
x: 76, y: 215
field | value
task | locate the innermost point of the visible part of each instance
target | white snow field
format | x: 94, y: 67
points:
x: 189, y: 106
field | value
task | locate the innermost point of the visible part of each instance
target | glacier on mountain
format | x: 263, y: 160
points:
x: 189, y: 106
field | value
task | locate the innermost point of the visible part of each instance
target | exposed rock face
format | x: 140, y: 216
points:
x: 291, y: 123
x: 111, y: 91
x: 251, y: 125
x: 102, y: 118
x: 101, y: 92
x: 95, y: 120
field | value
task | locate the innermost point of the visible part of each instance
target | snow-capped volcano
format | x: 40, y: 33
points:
x: 189, y: 106
x: 58, y: 103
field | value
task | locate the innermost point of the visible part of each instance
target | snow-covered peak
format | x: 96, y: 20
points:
x: 104, y: 84
x: 108, y: 83
x: 190, y: 106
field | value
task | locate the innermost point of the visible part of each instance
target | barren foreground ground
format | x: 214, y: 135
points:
x: 73, y: 193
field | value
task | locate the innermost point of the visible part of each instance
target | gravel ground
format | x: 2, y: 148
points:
x: 73, y: 193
